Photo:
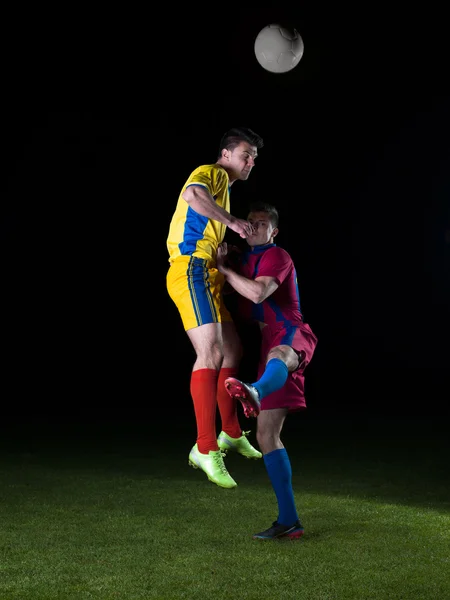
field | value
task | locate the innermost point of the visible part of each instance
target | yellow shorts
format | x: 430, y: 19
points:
x: 197, y: 292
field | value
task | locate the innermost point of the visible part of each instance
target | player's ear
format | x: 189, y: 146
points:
x: 275, y: 232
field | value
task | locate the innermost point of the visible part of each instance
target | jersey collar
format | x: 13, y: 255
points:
x: 259, y: 249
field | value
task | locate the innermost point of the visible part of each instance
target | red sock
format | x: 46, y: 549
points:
x: 227, y: 406
x: 203, y: 392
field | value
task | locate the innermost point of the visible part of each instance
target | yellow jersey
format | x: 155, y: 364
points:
x: 191, y: 234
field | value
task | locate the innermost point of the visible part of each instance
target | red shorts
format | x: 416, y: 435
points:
x: 292, y: 394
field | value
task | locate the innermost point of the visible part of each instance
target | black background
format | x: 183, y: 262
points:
x: 106, y: 117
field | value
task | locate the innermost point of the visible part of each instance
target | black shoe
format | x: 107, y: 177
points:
x: 277, y: 530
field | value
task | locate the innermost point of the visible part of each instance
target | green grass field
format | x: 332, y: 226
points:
x: 112, y: 512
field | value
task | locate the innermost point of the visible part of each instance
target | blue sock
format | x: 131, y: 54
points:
x: 278, y: 467
x: 273, y: 378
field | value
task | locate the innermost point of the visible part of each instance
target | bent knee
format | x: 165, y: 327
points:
x: 267, y: 438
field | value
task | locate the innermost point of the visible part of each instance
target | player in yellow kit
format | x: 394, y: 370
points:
x: 197, y: 227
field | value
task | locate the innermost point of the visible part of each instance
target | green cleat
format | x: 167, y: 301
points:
x: 240, y: 445
x: 214, y: 467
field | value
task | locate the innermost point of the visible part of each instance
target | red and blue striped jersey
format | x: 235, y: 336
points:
x: 281, y: 307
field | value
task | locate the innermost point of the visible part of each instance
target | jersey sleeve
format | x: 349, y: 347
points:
x: 212, y: 177
x: 276, y: 263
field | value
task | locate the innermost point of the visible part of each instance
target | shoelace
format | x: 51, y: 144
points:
x: 219, y: 461
x: 246, y: 433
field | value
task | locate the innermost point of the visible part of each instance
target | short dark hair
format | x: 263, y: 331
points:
x: 265, y: 207
x: 232, y: 138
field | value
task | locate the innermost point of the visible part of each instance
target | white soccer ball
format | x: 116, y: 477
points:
x: 278, y: 49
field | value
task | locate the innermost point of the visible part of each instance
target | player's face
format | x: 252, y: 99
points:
x: 241, y: 160
x: 264, y: 230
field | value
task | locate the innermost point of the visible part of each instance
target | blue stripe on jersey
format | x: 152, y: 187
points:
x: 257, y: 309
x: 289, y: 335
x: 200, y: 291
x: 258, y: 312
x: 279, y: 315
x: 194, y: 228
x: 298, y: 292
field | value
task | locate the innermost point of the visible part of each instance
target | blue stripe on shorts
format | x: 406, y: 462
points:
x: 199, y: 289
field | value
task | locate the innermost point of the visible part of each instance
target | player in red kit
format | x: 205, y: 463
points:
x: 266, y: 281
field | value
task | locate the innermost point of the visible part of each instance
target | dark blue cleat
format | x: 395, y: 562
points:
x: 277, y: 531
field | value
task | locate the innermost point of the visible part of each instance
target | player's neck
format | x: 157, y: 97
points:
x: 231, y: 178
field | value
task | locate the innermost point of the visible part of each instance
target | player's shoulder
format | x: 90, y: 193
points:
x: 210, y: 175
x: 279, y: 253
x: 214, y: 168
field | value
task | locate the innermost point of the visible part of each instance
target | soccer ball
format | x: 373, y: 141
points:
x: 278, y: 49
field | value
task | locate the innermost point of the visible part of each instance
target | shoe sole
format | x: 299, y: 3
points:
x: 237, y: 391
x: 196, y: 466
x: 295, y: 535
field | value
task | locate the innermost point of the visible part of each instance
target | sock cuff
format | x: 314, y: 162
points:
x: 204, y: 374
x: 274, y: 456
x: 278, y: 362
x: 228, y: 372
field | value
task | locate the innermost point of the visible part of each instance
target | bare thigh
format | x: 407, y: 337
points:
x: 232, y: 346
x: 207, y: 341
